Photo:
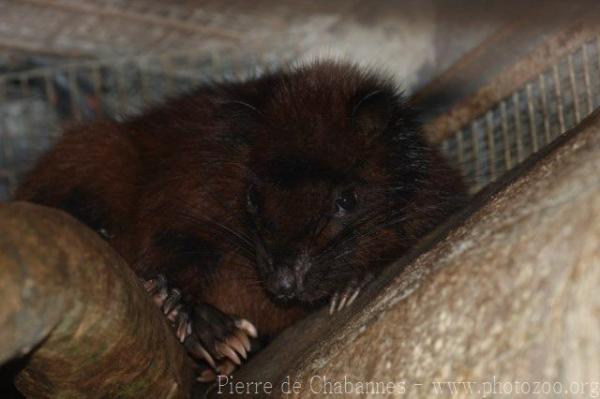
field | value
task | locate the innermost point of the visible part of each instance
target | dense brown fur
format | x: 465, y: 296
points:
x: 170, y: 189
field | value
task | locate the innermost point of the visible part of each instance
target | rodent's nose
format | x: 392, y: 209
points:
x: 282, y: 284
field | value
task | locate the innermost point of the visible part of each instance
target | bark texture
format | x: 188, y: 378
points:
x: 79, y: 313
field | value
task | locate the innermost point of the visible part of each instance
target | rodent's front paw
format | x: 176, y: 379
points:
x: 209, y: 335
x: 169, y: 301
x: 219, y: 339
x: 346, y: 296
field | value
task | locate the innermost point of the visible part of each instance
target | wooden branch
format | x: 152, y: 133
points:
x: 73, y: 305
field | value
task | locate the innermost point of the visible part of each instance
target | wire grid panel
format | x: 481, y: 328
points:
x: 530, y: 118
x: 35, y: 105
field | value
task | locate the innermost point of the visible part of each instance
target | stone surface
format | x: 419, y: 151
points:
x: 507, y: 300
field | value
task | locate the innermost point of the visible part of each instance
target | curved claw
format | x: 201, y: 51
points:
x: 199, y: 352
x: 207, y: 375
x: 226, y: 367
x: 247, y: 327
x: 184, y: 328
x: 173, y: 314
x: 244, y: 340
x: 153, y: 285
x: 226, y: 351
x: 354, y: 296
x: 235, y: 343
x: 161, y: 296
x: 173, y: 299
x: 342, y: 300
x: 333, y: 303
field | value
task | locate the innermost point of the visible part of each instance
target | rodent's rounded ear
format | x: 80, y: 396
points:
x: 373, y: 112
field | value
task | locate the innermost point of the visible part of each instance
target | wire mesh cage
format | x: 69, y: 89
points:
x: 528, y: 119
x: 36, y: 104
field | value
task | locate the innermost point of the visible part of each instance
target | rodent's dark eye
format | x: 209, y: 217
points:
x: 251, y: 199
x: 346, y: 202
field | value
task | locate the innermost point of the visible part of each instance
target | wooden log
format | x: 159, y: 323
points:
x: 506, y: 303
x: 73, y: 306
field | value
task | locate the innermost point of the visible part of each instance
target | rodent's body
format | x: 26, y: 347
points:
x: 164, y: 198
x: 263, y: 197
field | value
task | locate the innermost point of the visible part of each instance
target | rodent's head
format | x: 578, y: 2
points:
x: 335, y: 161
